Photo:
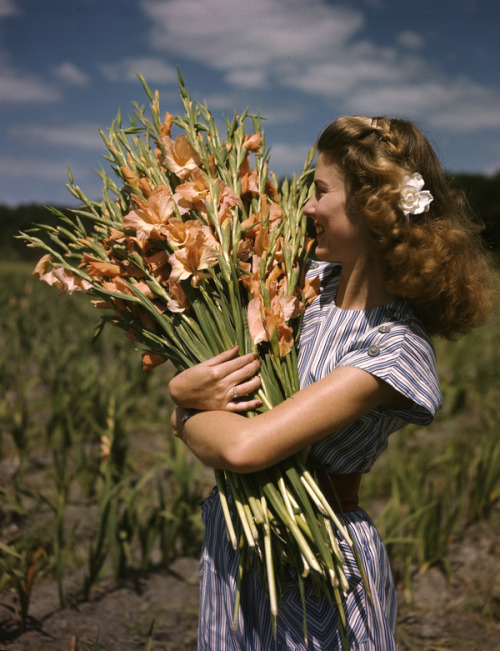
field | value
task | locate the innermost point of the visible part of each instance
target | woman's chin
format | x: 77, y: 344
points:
x: 322, y: 254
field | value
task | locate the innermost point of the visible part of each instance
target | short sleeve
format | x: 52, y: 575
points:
x: 402, y: 355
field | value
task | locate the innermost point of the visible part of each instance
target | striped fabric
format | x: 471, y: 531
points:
x: 388, y: 342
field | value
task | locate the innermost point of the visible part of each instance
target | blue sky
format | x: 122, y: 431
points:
x: 66, y: 66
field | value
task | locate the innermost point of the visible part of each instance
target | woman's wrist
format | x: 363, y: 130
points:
x: 187, y: 415
x: 178, y: 419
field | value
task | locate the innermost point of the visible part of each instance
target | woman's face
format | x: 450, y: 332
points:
x: 340, y: 237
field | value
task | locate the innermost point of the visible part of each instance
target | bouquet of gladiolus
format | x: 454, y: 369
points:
x: 190, y: 251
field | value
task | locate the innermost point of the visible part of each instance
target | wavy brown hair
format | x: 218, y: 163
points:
x: 436, y: 260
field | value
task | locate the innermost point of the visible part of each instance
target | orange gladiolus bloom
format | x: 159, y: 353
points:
x: 130, y: 176
x: 119, y: 286
x: 64, y: 280
x: 151, y: 360
x: 96, y: 267
x: 311, y: 289
x: 250, y: 182
x: 149, y: 217
x: 179, y: 301
x: 264, y: 322
x: 227, y: 200
x: 180, y: 157
x: 166, y: 127
x: 255, y: 323
x: 200, y: 253
x: 158, y: 265
x: 252, y: 283
x: 191, y: 196
x: 253, y: 142
x: 179, y: 233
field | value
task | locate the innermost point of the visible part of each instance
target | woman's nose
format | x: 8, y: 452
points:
x: 309, y: 208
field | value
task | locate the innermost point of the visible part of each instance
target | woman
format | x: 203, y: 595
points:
x: 397, y: 264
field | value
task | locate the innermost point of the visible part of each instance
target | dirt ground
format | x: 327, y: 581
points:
x: 462, y: 614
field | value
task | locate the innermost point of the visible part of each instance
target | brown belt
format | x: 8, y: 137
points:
x: 341, y: 491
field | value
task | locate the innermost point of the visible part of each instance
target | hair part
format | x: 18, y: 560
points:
x: 436, y: 260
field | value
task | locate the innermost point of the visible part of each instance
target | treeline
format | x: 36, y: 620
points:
x: 483, y: 193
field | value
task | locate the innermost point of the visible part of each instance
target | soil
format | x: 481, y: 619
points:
x: 461, y: 612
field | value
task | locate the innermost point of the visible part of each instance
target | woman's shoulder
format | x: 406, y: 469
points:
x: 398, y: 350
x: 400, y: 331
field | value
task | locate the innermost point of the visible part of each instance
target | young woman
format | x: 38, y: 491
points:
x: 399, y: 260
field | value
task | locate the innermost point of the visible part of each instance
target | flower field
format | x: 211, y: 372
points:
x: 94, y: 491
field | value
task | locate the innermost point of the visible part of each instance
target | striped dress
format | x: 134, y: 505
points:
x: 388, y: 342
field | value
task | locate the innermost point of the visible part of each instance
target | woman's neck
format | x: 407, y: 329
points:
x: 362, y: 288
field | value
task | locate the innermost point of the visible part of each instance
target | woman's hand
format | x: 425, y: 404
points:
x: 221, y: 383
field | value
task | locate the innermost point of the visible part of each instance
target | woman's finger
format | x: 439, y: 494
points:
x: 244, y: 388
x: 244, y: 373
x: 244, y: 405
x: 222, y: 357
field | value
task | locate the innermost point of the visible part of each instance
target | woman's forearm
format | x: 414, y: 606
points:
x: 215, y: 437
x: 226, y: 440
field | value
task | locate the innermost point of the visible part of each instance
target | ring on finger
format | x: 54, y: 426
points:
x: 235, y: 394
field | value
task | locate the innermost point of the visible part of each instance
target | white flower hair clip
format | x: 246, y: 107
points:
x: 414, y: 200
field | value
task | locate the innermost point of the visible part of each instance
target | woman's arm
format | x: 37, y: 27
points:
x: 232, y: 442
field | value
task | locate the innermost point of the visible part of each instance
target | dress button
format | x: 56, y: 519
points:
x: 373, y: 351
x: 384, y: 328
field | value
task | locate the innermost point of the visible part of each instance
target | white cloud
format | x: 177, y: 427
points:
x: 249, y: 35
x: 71, y: 74
x: 285, y: 157
x: 18, y: 87
x: 270, y: 110
x: 154, y: 70
x: 8, y: 8
x: 82, y: 135
x: 450, y: 105
x: 410, y: 40
x: 29, y: 168
x: 247, y: 78
x: 47, y: 179
x: 319, y: 50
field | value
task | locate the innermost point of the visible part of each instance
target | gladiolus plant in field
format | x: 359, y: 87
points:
x: 194, y: 247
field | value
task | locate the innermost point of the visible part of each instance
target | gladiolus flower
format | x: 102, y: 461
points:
x: 253, y: 142
x: 311, y: 289
x: 151, y: 361
x: 261, y: 245
x: 191, y: 196
x: 120, y: 286
x: 179, y: 233
x: 250, y: 182
x: 255, y: 324
x: 130, y: 176
x: 245, y: 249
x: 264, y: 323
x: 158, y: 265
x: 199, y: 254
x: 228, y: 199
x: 179, y: 301
x: 252, y: 283
x: 64, y: 280
x: 180, y: 157
x: 96, y: 267
x: 166, y: 127
x: 149, y: 217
